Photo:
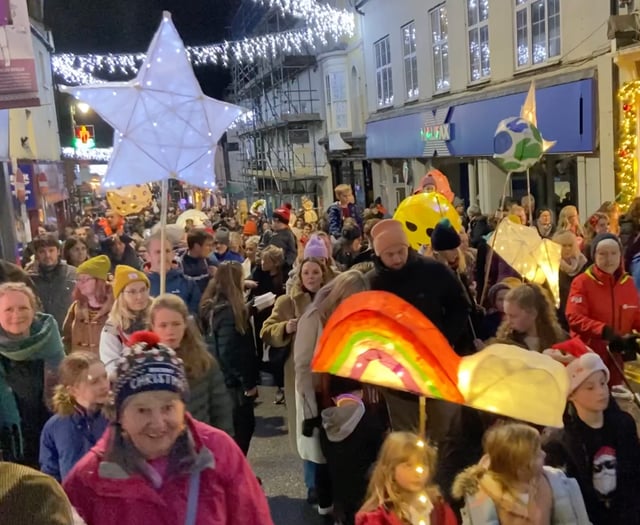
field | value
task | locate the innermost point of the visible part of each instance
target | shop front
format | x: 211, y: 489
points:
x: 458, y: 140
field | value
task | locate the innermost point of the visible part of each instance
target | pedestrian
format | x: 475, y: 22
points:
x: 282, y: 236
x: 544, y: 223
x: 129, y: 313
x: 195, y: 261
x: 90, y: 309
x: 155, y: 463
x: 342, y: 209
x: 401, y: 488
x: 596, y: 224
x: 79, y: 421
x: 209, y: 400
x: 572, y: 263
x: 348, y: 246
x: 568, y: 219
x: 30, y: 352
x: 75, y: 251
x: 222, y: 242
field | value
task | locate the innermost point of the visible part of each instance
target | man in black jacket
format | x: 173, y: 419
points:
x: 428, y: 285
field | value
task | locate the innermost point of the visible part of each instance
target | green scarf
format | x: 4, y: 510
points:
x: 43, y: 342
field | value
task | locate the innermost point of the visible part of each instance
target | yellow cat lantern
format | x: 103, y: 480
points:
x: 420, y: 213
x: 310, y: 215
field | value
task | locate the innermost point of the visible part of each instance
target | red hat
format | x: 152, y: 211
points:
x: 568, y: 351
x: 283, y: 213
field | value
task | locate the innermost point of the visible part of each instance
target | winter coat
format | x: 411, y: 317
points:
x: 197, y: 268
x: 128, y: 258
x: 566, y: 448
x: 235, y: 351
x: 105, y: 494
x: 229, y: 256
x: 81, y: 328
x: 336, y: 221
x: 54, y: 289
x: 440, y: 515
x: 286, y: 240
x: 478, y: 228
x: 112, y: 341
x: 209, y: 400
x: 566, y: 275
x: 274, y: 333
x: 598, y: 299
x: 480, y: 492
x: 66, y: 439
x: 177, y: 283
x: 28, y: 370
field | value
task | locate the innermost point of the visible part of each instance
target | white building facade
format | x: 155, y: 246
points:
x: 441, y: 75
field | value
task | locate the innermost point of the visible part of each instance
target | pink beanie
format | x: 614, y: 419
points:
x: 388, y: 233
x: 315, y: 247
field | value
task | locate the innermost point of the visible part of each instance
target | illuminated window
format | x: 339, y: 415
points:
x: 478, y: 32
x: 440, y: 47
x: 537, y: 27
x: 384, y: 83
x: 410, y: 61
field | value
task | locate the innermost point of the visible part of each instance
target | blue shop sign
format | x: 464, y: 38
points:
x: 565, y: 114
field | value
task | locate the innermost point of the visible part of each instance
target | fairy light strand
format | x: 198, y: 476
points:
x: 627, y: 154
x: 322, y: 24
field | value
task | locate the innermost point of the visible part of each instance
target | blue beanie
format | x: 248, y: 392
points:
x: 444, y: 236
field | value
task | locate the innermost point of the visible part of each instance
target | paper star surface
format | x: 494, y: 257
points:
x: 165, y: 127
x: 529, y: 112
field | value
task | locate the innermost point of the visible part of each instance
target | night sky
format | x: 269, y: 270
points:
x: 85, y: 26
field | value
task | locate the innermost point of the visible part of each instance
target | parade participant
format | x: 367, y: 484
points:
x: 401, y: 489
x: 128, y: 314
x: 225, y: 318
x: 572, y: 263
x: 176, y: 282
x: 495, y: 308
x: 78, y: 423
x: 342, y: 209
x: 568, y: 219
x: 209, y: 400
x: 195, y: 261
x: 30, y: 352
x: 88, y: 313
x: 282, y: 236
x: 603, y: 306
x: 54, y: 279
x: 348, y: 246
x: 510, y: 485
x: 155, y: 463
x: 544, y: 223
x: 111, y: 224
x: 596, y: 224
x: 251, y: 250
x: 120, y: 252
x: 612, y: 210
x: 75, y: 251
x: 598, y: 445
x: 222, y: 251
x: 366, y: 252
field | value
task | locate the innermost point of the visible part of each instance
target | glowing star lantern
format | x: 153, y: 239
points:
x: 548, y: 257
x: 514, y: 382
x: 165, y: 127
x: 529, y: 112
x: 420, y: 213
x: 129, y: 200
x: 392, y: 345
x: 517, y: 144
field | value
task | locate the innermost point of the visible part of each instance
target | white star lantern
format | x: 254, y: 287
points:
x: 165, y: 127
x: 529, y: 112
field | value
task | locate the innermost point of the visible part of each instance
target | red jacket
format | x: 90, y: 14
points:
x: 598, y: 299
x: 229, y: 491
x: 440, y: 515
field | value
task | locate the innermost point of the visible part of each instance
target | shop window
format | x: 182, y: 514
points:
x: 537, y: 25
x: 384, y: 82
x: 410, y: 60
x: 478, y: 32
x: 440, y: 47
x: 337, y: 100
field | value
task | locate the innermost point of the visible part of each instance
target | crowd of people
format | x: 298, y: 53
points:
x: 141, y: 403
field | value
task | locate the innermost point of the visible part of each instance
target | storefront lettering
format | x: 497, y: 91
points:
x: 436, y: 132
x: 439, y: 132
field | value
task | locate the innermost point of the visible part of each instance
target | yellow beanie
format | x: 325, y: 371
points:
x: 126, y: 275
x: 97, y: 267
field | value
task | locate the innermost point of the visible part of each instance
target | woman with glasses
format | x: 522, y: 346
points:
x: 129, y: 313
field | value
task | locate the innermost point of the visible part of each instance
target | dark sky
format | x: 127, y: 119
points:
x: 83, y: 26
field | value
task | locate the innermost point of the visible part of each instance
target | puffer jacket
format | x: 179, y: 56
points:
x: 209, y: 400
x: 598, y: 299
x: 54, y: 289
x: 480, y: 491
x: 105, y: 494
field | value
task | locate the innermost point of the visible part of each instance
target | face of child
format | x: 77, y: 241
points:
x: 92, y: 388
x: 170, y: 327
x: 519, y: 319
x: 536, y: 466
x: 593, y: 393
x: 411, y: 475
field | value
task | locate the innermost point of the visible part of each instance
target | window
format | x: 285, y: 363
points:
x: 384, y: 83
x: 337, y: 101
x: 478, y: 31
x: 440, y: 47
x: 410, y: 60
x: 537, y: 31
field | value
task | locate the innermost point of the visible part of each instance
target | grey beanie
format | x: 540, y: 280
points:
x: 222, y: 236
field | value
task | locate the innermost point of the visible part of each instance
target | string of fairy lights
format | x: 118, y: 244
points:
x: 627, y: 154
x: 321, y: 24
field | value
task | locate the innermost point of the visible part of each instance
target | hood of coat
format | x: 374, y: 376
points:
x: 340, y: 422
x: 43, y: 339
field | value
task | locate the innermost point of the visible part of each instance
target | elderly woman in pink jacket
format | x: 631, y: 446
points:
x: 156, y: 464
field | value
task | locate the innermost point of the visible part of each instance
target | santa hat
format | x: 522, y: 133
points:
x: 569, y: 350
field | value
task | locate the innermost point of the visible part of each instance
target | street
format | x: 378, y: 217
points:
x: 279, y: 468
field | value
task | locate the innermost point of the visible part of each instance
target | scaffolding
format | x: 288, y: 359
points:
x: 280, y: 158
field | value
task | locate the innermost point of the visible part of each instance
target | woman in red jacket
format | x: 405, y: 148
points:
x: 603, y: 305
x: 156, y: 464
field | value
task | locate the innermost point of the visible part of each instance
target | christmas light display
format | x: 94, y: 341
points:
x: 321, y: 24
x: 627, y: 166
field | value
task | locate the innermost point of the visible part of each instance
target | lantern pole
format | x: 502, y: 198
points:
x: 164, y: 204
x: 423, y: 417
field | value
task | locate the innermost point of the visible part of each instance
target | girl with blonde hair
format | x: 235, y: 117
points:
x: 568, y: 219
x: 79, y: 421
x: 572, y: 263
x: 225, y: 318
x: 400, y: 490
x: 511, y: 486
x: 208, y: 401
x: 529, y: 319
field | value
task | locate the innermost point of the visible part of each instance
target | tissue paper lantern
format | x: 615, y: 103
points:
x: 517, y: 144
x: 129, y: 200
